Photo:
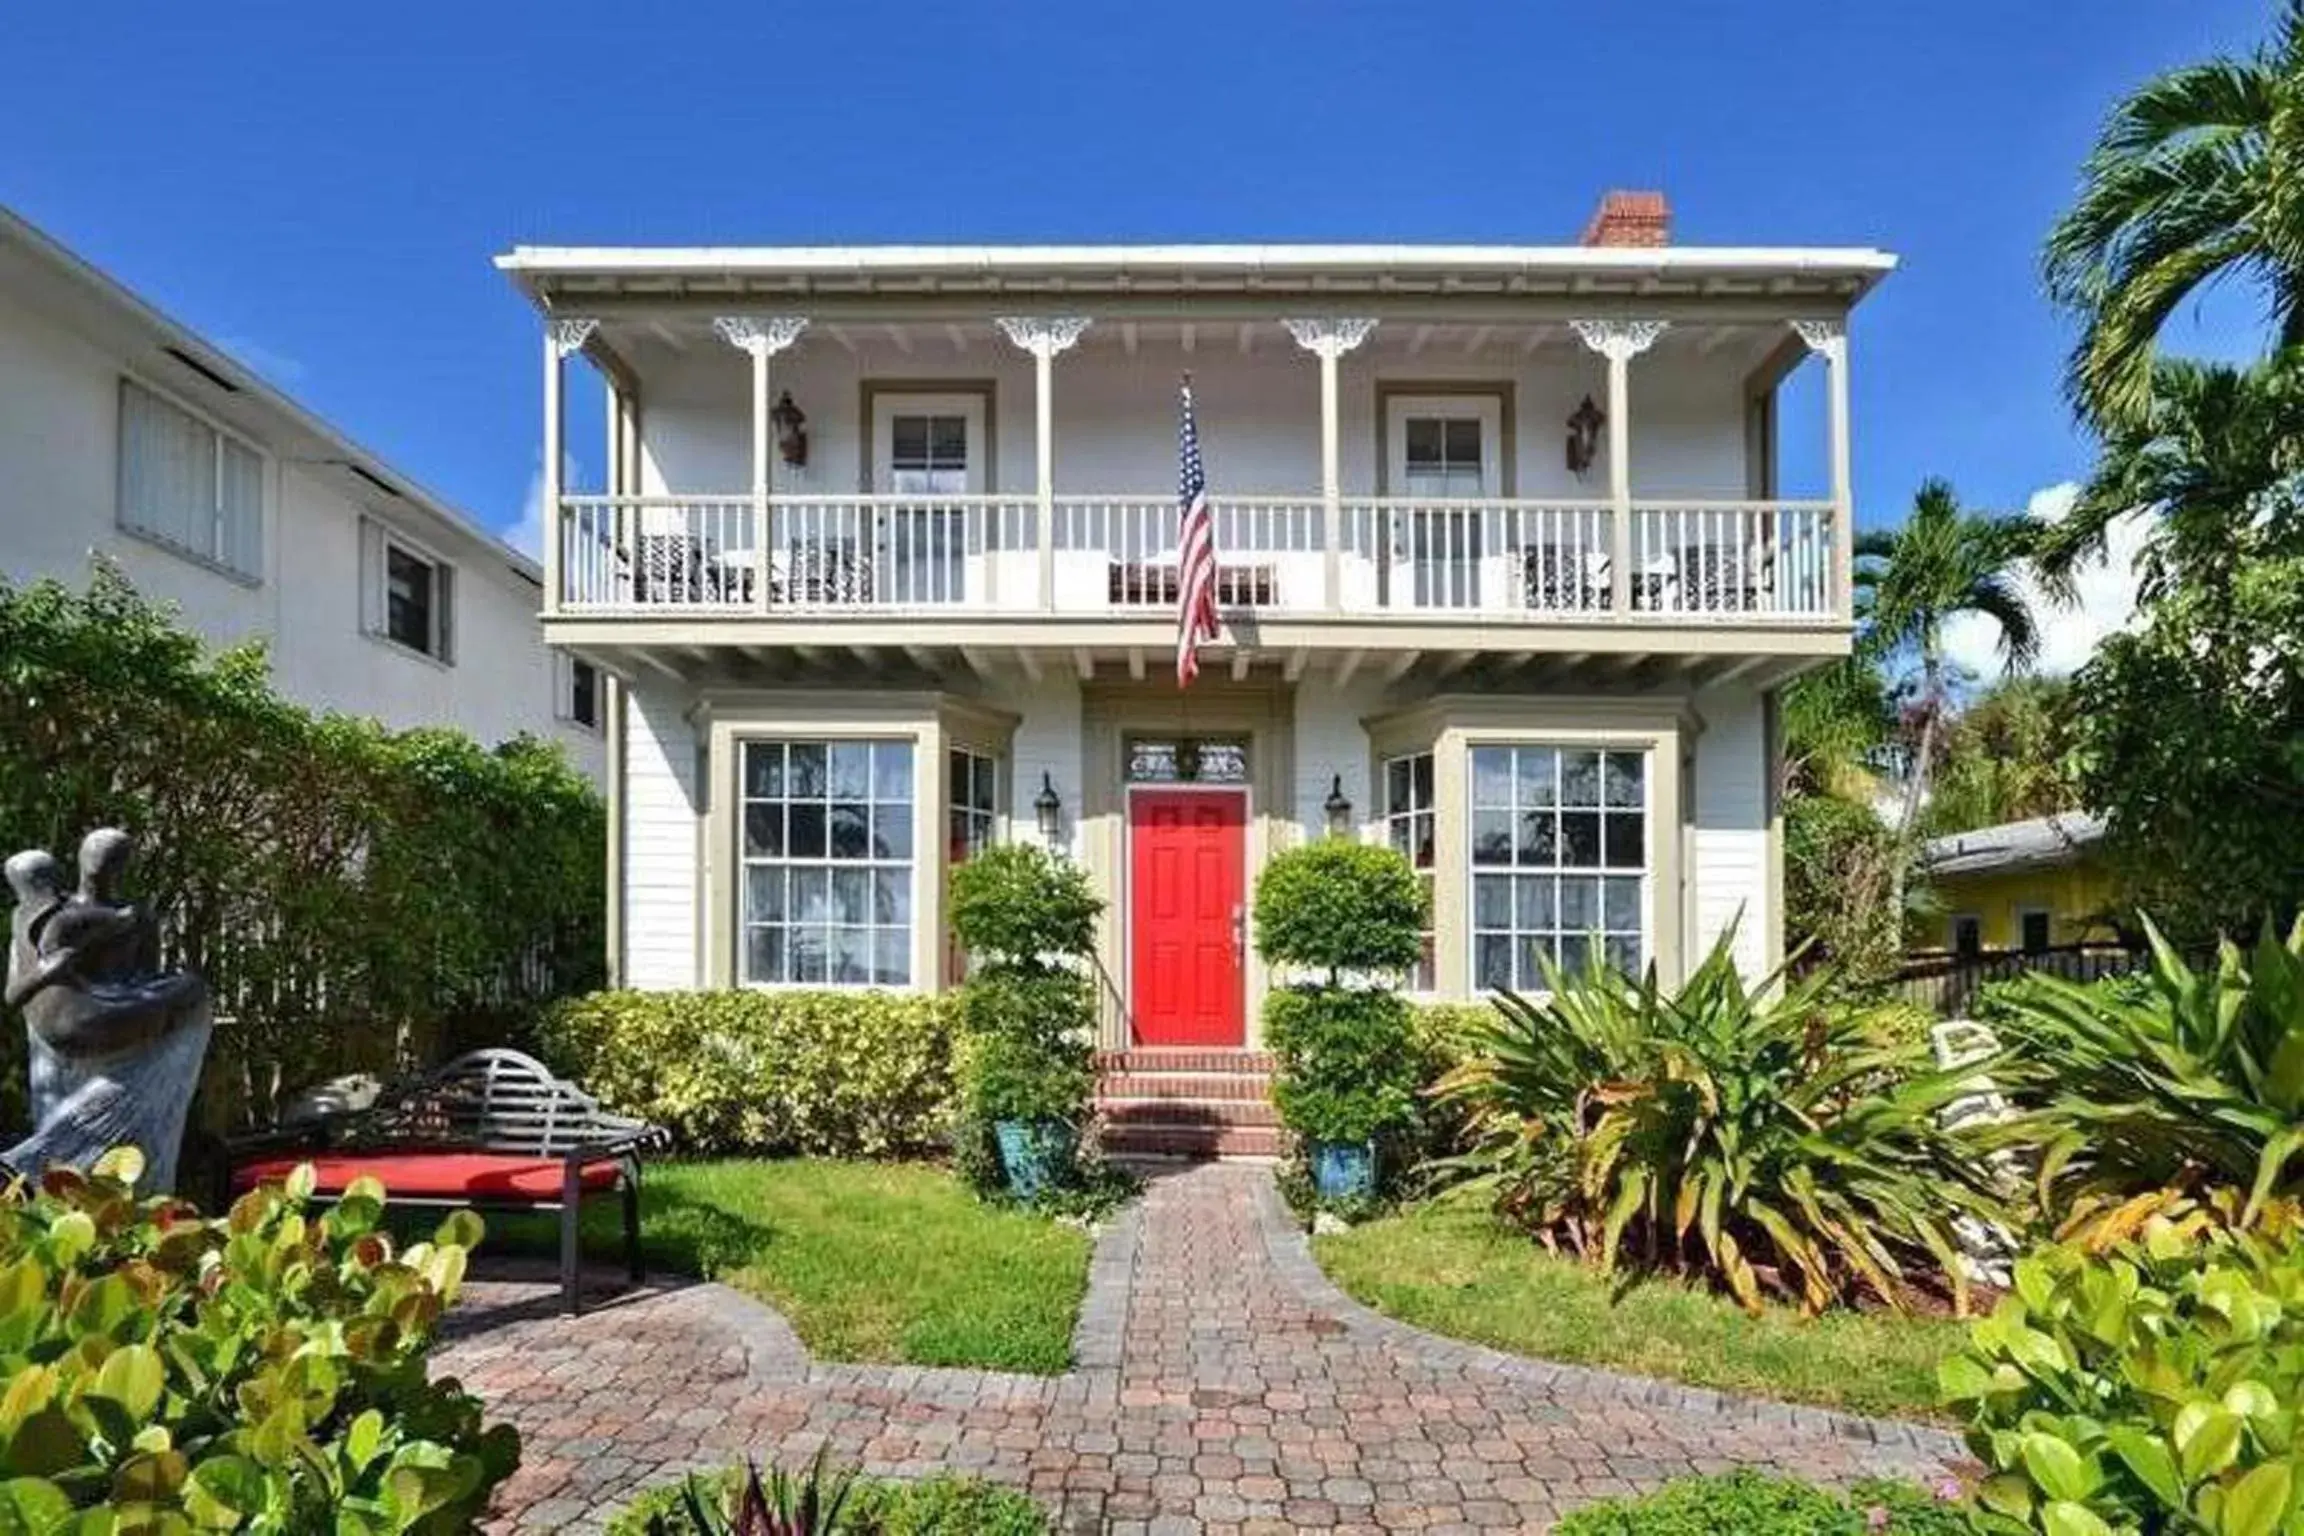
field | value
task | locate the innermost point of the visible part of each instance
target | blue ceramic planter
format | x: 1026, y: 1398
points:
x: 1343, y: 1169
x: 1033, y: 1153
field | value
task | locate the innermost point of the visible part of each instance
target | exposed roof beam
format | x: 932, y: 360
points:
x: 1398, y: 667
x: 1293, y: 669
x: 839, y: 333
x: 923, y: 658
x: 870, y: 657
x: 1537, y: 336
x: 979, y: 662
x: 1136, y: 662
x: 957, y: 336
x: 1479, y: 338
x: 1029, y: 660
x: 1418, y: 339
x: 667, y: 335
x: 1188, y: 337
x: 1455, y: 662
x: 1128, y: 337
x: 1240, y: 665
x: 1349, y: 665
x: 1084, y: 663
x: 1247, y: 337
x: 899, y: 338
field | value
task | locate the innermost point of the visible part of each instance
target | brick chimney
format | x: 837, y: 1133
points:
x: 1630, y: 218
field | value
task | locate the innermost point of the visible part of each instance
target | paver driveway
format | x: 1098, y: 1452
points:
x: 1221, y: 1385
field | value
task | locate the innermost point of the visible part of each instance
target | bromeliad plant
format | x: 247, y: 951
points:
x: 2153, y: 1387
x: 264, y: 1372
x: 2151, y: 1098
x: 1759, y: 1134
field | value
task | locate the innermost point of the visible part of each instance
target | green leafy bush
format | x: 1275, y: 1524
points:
x: 1337, y: 906
x: 825, y: 1074
x: 941, y: 1506
x: 1352, y: 916
x: 1722, y: 1130
x: 264, y: 1372
x: 2163, y: 1088
x: 358, y: 899
x: 1027, y: 1015
x: 1747, y: 1503
x: 2154, y: 1387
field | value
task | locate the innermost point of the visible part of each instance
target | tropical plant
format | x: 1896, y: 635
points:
x: 1727, y: 1129
x: 2155, y: 1387
x: 1842, y: 900
x: 2195, y: 177
x: 1836, y: 720
x: 819, y: 1073
x: 711, y: 1504
x: 2006, y: 756
x: 264, y: 1372
x: 2154, y: 1095
x: 1912, y: 580
x: 1745, y: 1501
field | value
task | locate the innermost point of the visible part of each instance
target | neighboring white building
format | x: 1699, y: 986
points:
x: 888, y: 561
x: 124, y: 434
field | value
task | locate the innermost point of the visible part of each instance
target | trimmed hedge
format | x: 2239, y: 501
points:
x: 824, y: 1074
x: 359, y: 900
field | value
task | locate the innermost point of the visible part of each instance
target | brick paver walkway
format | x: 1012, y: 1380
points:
x: 1222, y: 1384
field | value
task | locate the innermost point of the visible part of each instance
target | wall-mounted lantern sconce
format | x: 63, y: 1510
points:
x: 791, y: 424
x: 1584, y: 436
x: 1339, y: 808
x: 1051, y: 810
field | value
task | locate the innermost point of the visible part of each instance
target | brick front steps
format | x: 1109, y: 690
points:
x: 1187, y: 1103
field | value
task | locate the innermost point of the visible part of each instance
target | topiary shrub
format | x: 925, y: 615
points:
x: 264, y: 1372
x: 1747, y: 1503
x: 2153, y: 1387
x: 824, y: 1074
x: 1347, y: 918
x: 1337, y: 906
x: 1027, y: 1023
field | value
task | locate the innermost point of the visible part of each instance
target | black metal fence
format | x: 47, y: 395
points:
x: 1946, y: 981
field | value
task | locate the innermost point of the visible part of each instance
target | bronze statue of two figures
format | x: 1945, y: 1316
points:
x: 116, y: 1043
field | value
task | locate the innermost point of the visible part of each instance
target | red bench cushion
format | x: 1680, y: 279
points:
x: 435, y: 1175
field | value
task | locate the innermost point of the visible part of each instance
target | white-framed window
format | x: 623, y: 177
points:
x: 826, y: 848
x: 1411, y: 826
x: 582, y: 697
x: 973, y: 789
x: 415, y: 600
x: 189, y: 484
x: 1559, y: 861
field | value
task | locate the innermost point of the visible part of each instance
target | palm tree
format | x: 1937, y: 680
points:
x: 1910, y: 581
x: 2198, y: 175
x: 2212, y: 445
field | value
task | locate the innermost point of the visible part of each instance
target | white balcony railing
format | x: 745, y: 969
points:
x: 1726, y: 561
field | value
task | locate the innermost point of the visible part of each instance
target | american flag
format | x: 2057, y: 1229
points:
x: 1196, y: 542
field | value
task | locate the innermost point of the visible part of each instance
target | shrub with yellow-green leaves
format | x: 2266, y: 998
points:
x: 261, y: 1372
x: 825, y: 1074
x: 2152, y: 1387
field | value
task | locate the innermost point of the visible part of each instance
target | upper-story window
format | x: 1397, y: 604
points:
x: 1443, y: 456
x: 928, y: 453
x: 580, y: 692
x: 189, y: 484
x: 416, y: 600
x: 1559, y: 862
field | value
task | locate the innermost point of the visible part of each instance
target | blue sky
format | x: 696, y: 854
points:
x: 319, y: 188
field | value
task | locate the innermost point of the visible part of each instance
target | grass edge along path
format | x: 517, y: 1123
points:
x: 1448, y: 1266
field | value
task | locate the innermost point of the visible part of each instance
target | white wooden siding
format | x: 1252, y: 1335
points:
x: 662, y: 811
x: 1730, y: 871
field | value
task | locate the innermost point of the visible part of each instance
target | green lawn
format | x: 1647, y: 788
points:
x: 1448, y: 1266
x: 890, y: 1262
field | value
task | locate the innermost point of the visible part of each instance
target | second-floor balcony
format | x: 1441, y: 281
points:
x: 1081, y: 556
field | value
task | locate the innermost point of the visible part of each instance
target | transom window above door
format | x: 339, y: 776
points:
x: 1187, y: 761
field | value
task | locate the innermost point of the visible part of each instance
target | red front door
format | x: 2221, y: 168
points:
x: 1187, y: 883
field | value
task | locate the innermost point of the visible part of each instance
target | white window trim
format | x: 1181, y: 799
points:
x: 564, y: 693
x: 739, y: 957
x: 386, y: 538
x: 266, y: 483
x: 1649, y: 851
x: 1384, y: 818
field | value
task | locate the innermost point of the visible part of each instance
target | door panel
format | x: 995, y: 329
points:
x: 1187, y: 921
x: 930, y: 447
x: 1443, y: 448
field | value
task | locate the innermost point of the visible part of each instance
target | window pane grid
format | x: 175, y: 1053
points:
x: 1411, y: 828
x: 973, y: 790
x: 1559, y: 862
x: 827, y: 854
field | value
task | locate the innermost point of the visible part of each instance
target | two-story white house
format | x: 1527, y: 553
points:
x: 887, y: 571
x: 126, y: 435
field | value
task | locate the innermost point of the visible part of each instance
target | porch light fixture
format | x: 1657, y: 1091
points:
x: 1339, y: 808
x: 1051, y: 810
x: 1584, y: 426
x: 791, y: 424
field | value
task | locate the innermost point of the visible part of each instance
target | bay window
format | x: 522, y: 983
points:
x: 827, y: 862
x: 1560, y: 861
x: 1411, y: 826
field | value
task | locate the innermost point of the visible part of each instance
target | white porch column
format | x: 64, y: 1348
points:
x: 1619, y: 341
x: 1329, y: 339
x: 1044, y: 336
x: 761, y: 337
x: 1828, y: 339
x: 562, y: 337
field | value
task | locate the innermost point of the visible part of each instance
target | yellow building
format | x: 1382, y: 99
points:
x: 2022, y: 885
